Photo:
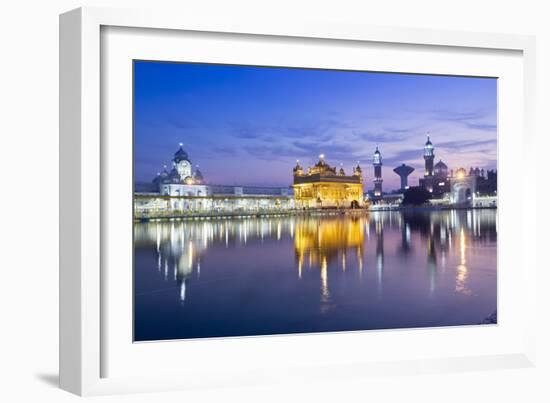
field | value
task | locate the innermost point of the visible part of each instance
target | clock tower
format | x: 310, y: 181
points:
x: 182, y: 164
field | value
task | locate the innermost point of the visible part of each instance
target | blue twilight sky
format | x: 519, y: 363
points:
x: 248, y: 125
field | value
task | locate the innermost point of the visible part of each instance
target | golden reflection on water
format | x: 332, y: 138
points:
x: 462, y: 269
x: 327, y: 242
x: 324, y: 280
x: 323, y: 240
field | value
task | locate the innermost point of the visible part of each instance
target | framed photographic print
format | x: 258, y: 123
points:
x: 265, y: 199
x: 266, y: 236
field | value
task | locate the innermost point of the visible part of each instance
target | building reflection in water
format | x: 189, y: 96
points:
x: 324, y: 240
x: 462, y: 269
x: 326, y: 243
x: 379, y: 224
x: 179, y: 245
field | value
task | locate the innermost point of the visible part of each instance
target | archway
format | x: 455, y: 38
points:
x: 354, y: 204
x: 461, y: 194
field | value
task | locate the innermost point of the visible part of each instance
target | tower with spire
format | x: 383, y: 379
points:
x: 357, y: 172
x: 182, y: 164
x: 377, y: 164
x: 429, y: 157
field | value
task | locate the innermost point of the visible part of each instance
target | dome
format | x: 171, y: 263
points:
x: 198, y: 176
x: 441, y: 165
x: 173, y: 176
x: 161, y: 176
x: 180, y: 155
x: 441, y: 170
x: 321, y: 162
x: 428, y: 142
x: 460, y: 173
x: 321, y: 167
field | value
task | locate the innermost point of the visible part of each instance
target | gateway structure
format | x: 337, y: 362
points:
x: 322, y: 186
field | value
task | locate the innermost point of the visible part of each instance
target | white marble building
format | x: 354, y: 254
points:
x: 183, y: 190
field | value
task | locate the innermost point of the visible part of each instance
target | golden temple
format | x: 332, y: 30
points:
x: 322, y: 186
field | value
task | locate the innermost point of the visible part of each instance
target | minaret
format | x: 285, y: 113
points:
x: 377, y: 163
x: 429, y: 158
x: 429, y: 165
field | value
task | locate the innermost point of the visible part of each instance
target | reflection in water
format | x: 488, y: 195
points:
x: 220, y: 261
x: 379, y: 252
x: 325, y: 240
x: 462, y: 270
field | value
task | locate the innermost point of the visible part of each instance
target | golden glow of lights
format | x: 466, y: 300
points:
x: 462, y: 269
x: 326, y: 240
x: 324, y: 280
x: 462, y: 246
x: 460, y: 175
x: 344, y: 261
x: 360, y: 259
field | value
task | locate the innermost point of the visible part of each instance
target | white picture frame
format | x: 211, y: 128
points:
x: 84, y: 200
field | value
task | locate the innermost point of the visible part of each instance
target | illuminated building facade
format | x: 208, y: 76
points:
x: 322, y: 186
x: 183, y: 191
x: 463, y: 188
x: 473, y: 188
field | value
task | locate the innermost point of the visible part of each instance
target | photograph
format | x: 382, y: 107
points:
x: 275, y: 200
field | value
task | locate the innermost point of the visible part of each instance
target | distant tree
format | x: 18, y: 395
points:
x: 416, y: 195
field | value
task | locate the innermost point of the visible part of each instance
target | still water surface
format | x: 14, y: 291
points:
x: 298, y: 274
